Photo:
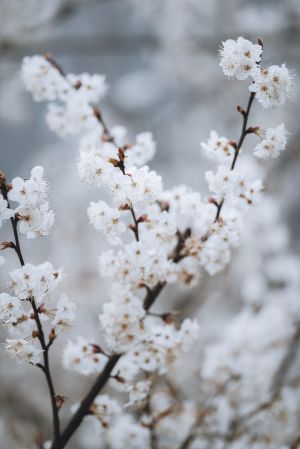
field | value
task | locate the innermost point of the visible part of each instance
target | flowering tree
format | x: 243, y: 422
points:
x: 158, y: 237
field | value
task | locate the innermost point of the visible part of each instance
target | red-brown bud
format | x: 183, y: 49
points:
x: 143, y: 218
x: 7, y: 245
x: 233, y: 144
x: 52, y: 335
x: 60, y: 400
x: 96, y: 349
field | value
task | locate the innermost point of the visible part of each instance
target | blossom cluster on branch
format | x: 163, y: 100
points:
x: 158, y: 237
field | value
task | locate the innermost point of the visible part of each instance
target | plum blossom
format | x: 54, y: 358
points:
x: 239, y: 58
x: 122, y: 322
x: 174, y: 236
x: 272, y: 85
x: 34, y: 281
x: 107, y: 220
x: 218, y: 148
x: 84, y: 357
x: 138, y: 393
x: 65, y: 313
x: 42, y: 79
x: 33, y: 213
x: 23, y: 350
x: 142, y: 151
x: 127, y: 433
x: 273, y: 142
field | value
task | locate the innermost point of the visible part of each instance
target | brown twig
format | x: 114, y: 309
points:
x: 135, y: 228
x: 244, y: 132
x: 85, y: 405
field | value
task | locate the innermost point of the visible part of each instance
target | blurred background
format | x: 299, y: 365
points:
x: 161, y: 62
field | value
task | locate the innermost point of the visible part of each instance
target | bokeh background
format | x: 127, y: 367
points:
x: 161, y: 62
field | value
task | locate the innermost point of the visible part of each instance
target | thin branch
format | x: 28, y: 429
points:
x: 46, y: 367
x: 135, y: 228
x: 85, y: 405
x: 244, y: 132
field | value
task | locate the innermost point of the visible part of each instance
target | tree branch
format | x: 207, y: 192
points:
x: 46, y: 367
x: 244, y: 132
x: 85, y: 405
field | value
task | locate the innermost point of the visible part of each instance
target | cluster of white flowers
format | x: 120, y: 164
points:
x: 31, y: 286
x: 175, y: 235
x: 33, y: 283
x: 273, y: 142
x: 84, y: 357
x: 36, y: 220
x: 271, y: 85
x: 218, y: 148
x: 107, y: 220
x: 139, y: 393
x: 234, y: 186
x: 122, y: 321
x: 234, y: 365
x: 73, y: 93
x: 138, y: 263
x: 142, y: 151
x: 239, y: 58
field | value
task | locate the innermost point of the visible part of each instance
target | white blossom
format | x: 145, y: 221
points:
x: 142, y: 151
x: 94, y: 166
x: 76, y: 115
x: 121, y: 321
x: 162, y: 344
x: 33, y: 213
x: 107, y: 220
x: 65, y: 313
x: 218, y: 148
x: 10, y: 308
x: 34, y: 281
x: 105, y: 409
x: 23, y: 351
x: 140, y: 188
x: 91, y: 88
x: 32, y: 191
x: 84, y: 357
x: 272, y: 85
x: 139, y: 263
x: 35, y: 221
x: 188, y: 333
x: 222, y: 182
x: 273, y: 142
x: 234, y: 185
x: 138, y: 393
x: 239, y: 58
x: 42, y: 79
x: 126, y: 433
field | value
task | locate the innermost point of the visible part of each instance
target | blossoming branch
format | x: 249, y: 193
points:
x: 158, y: 237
